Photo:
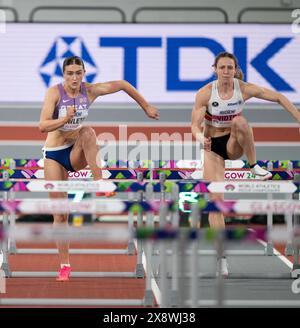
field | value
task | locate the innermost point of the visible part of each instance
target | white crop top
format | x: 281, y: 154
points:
x: 219, y: 112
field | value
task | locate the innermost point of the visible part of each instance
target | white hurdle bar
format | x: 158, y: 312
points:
x: 130, y: 250
x: 116, y: 234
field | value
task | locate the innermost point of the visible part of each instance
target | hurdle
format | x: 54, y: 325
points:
x: 7, y: 174
x: 62, y: 206
x: 290, y: 187
x: 116, y: 234
x: 38, y: 233
x: 278, y: 206
x: 190, y: 236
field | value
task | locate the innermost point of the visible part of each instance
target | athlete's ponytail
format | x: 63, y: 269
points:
x: 239, y: 74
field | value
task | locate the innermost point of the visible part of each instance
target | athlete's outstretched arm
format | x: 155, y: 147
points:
x: 47, y: 123
x: 100, y: 89
x: 252, y: 90
x: 198, y: 114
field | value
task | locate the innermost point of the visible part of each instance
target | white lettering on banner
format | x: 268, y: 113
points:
x: 296, y: 22
x: 252, y: 187
x: 239, y: 175
x: 65, y: 186
x: 160, y: 60
x: 80, y: 174
x: 296, y: 283
x: 65, y: 206
x: 275, y: 207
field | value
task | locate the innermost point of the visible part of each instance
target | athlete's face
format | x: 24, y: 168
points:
x: 73, y: 76
x: 225, y: 69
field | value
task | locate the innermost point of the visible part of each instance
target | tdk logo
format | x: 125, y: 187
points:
x: 131, y: 46
x: 174, y: 46
x: 51, y: 68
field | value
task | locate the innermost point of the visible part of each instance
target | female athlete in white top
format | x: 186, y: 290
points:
x: 226, y: 133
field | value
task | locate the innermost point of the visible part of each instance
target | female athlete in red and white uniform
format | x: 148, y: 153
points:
x: 217, y: 122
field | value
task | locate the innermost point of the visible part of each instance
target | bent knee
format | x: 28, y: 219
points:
x: 87, y: 133
x: 240, y: 123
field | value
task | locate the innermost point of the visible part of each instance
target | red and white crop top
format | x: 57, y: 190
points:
x: 219, y: 112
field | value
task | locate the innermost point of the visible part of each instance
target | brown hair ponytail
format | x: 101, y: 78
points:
x: 239, y: 74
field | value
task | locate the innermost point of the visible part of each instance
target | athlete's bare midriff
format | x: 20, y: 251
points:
x: 212, y: 131
x: 59, y: 138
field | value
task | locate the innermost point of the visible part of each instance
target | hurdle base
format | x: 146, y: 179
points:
x: 139, y: 271
x: 48, y: 274
x: 12, y: 248
x: 269, y: 250
x: 289, y: 251
x: 148, y: 299
x: 131, y: 248
x: 174, y: 298
x: 296, y: 266
x: 254, y: 276
x: 5, y: 269
x: 246, y: 303
x: 71, y: 302
x: 71, y: 251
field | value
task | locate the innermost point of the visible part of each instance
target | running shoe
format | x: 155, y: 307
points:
x: 261, y: 173
x: 64, y: 273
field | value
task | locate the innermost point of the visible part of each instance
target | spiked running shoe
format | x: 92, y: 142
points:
x: 64, y: 273
x: 261, y: 173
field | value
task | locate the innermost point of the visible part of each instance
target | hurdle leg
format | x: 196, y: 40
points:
x: 149, y: 299
x: 269, y: 247
x: 296, y: 254
x: 11, y: 244
x: 296, y: 264
x: 139, y: 265
x: 162, y: 219
x: 289, y: 244
x: 12, y: 247
x: 194, y: 257
x: 220, y: 278
x: 162, y: 259
x: 174, y: 297
x: 130, y: 247
x: 5, y: 265
x: 289, y: 219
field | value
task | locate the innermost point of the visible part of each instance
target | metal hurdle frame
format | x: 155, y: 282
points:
x: 164, y: 276
x: 139, y: 270
x: 177, y: 270
x: 131, y: 248
x: 164, y: 303
x: 290, y: 248
x: 184, y: 240
x: 138, y: 273
x: 148, y: 299
x: 12, y: 248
